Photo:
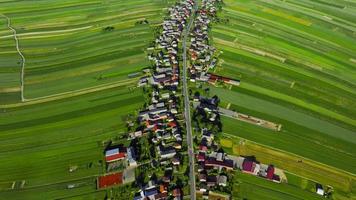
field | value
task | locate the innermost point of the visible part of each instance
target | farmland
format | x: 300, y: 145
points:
x: 67, y: 47
x: 295, y: 60
x: 76, y: 86
x: 297, y: 167
x: 55, y: 135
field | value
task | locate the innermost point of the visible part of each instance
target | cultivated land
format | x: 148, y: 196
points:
x: 295, y: 60
x: 78, y: 93
x: 66, y: 47
x: 41, y: 141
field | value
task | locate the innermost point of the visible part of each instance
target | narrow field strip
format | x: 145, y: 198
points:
x: 47, y: 32
x: 69, y: 94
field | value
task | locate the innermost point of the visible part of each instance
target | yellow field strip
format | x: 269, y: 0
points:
x: 294, y: 163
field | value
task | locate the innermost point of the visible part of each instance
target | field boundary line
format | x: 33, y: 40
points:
x: 70, y: 94
x: 21, y: 55
x: 49, y: 32
x: 353, y: 176
x: 54, y: 183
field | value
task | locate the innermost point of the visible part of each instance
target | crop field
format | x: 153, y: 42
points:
x: 251, y: 187
x: 40, y: 142
x: 67, y: 47
x: 296, y: 63
x: 310, y: 67
x: 315, y: 172
x: 77, y: 91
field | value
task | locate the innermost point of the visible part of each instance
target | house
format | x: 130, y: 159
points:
x: 270, y: 172
x: 161, y: 196
x: 175, y: 161
x: 166, y: 152
x: 211, y: 181
x: 200, y: 167
x: 202, y: 177
x: 135, y: 134
x: 177, y: 193
x: 163, y: 188
x: 319, y: 189
x: 208, y: 135
x: 248, y: 166
x: 167, y: 175
x: 222, y: 180
x: 220, y: 156
x: 150, y: 192
x: 212, y: 162
x: 203, y: 147
x: 115, y: 154
x: 201, y: 157
x: 208, y: 107
x: 203, y: 187
x: 177, y: 145
x: 131, y: 157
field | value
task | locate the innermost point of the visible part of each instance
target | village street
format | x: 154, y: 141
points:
x: 187, y: 107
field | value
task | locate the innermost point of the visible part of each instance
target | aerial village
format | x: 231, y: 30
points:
x: 215, y: 168
x: 157, y: 139
x: 155, y: 159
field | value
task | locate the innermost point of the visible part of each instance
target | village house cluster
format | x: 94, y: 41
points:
x: 201, y: 53
x: 161, y: 117
x: 159, y: 121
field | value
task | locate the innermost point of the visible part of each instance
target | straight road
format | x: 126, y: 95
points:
x: 187, y: 106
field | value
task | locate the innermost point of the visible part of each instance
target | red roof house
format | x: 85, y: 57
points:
x: 248, y: 166
x: 270, y: 172
x: 115, y: 154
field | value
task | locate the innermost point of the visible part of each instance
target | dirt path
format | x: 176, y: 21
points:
x: 23, y: 60
x: 48, y: 32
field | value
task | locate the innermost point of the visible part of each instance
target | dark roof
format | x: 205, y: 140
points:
x: 247, y: 165
x: 151, y: 192
x: 211, y: 179
x: 213, y: 162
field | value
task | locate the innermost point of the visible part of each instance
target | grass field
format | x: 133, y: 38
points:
x: 66, y: 47
x: 295, y: 60
x: 255, y: 188
x: 40, y: 142
x: 308, y: 67
x: 309, y: 170
x: 77, y: 90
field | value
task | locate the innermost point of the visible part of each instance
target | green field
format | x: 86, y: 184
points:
x: 296, y: 60
x: 77, y: 90
x: 296, y: 63
x: 40, y: 142
x: 255, y: 188
x: 307, y: 171
x: 66, y: 47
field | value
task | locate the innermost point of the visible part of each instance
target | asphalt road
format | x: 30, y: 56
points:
x: 187, y: 107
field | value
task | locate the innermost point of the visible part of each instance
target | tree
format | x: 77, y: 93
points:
x: 108, y: 28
